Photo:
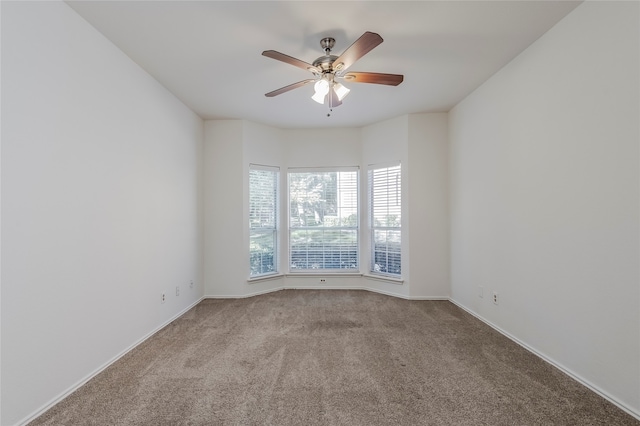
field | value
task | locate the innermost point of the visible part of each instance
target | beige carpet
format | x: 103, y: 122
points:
x: 306, y: 357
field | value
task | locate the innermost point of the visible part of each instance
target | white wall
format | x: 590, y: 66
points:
x: 428, y: 206
x: 263, y: 145
x: 102, y: 200
x: 0, y: 215
x: 383, y: 143
x: 322, y: 147
x: 230, y: 146
x: 101, y: 183
x: 545, y: 196
x: 339, y: 147
x: 225, y: 269
x: 420, y: 143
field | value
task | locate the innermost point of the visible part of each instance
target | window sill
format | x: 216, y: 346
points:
x: 265, y: 278
x: 384, y: 278
x: 324, y: 274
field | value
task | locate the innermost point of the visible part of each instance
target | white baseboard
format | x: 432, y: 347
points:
x: 271, y: 290
x: 434, y: 298
x: 241, y: 296
x: 554, y: 363
x: 386, y: 293
x: 325, y: 287
x: 405, y: 297
x: 100, y: 369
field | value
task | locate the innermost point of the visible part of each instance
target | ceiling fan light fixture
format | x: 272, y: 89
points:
x: 334, y: 100
x: 326, y: 69
x: 322, y: 88
x: 341, y: 91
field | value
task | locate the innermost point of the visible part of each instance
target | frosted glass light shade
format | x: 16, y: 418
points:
x: 322, y: 88
x: 341, y: 91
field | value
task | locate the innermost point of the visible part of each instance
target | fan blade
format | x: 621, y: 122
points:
x: 287, y: 88
x: 290, y: 60
x: 373, y: 77
x: 357, y: 50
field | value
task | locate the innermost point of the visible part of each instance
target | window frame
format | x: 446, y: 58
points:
x: 274, y: 231
x: 371, y: 215
x: 355, y: 229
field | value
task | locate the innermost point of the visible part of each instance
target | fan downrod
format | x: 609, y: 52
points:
x: 325, y: 63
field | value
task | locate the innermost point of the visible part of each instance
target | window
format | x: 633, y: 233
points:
x: 385, y: 190
x: 323, y: 219
x: 263, y: 220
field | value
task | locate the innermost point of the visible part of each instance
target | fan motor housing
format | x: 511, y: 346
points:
x: 325, y: 63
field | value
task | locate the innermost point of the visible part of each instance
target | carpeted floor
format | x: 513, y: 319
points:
x: 306, y: 357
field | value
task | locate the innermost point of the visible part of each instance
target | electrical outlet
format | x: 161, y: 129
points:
x: 480, y: 292
x: 191, y: 285
x: 323, y: 281
x: 177, y: 290
x: 163, y: 297
x: 495, y: 298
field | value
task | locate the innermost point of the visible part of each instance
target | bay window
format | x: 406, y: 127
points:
x: 385, y: 196
x: 263, y: 220
x: 323, y: 219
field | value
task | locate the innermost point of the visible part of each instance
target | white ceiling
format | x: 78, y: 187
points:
x: 208, y: 53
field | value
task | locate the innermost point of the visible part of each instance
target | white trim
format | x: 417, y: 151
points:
x: 388, y: 293
x: 242, y: 296
x: 384, y: 278
x: 275, y: 229
x: 373, y: 171
x: 269, y: 277
x: 384, y: 165
x: 430, y: 298
x: 320, y: 273
x: 320, y: 169
x: 402, y: 296
x: 44, y: 408
x: 553, y: 362
x: 253, y: 166
x: 360, y: 288
x: 324, y: 287
x: 328, y: 169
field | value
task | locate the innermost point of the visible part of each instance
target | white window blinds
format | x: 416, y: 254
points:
x: 263, y: 220
x: 323, y: 219
x: 385, y: 192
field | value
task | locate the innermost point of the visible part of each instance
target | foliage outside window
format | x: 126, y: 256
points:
x: 323, y: 220
x: 385, y: 190
x: 263, y: 220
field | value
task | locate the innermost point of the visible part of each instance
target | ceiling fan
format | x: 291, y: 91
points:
x: 329, y: 69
